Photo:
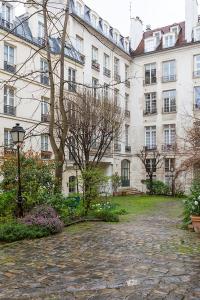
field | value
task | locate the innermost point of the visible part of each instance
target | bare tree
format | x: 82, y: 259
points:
x: 151, y: 160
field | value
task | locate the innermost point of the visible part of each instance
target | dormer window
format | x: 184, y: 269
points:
x: 150, y: 44
x: 157, y: 35
x: 94, y: 20
x: 126, y: 45
x: 7, y: 12
x: 115, y: 36
x: 78, y: 8
x: 175, y: 29
x: 41, y: 30
x: 105, y: 29
x: 197, y: 34
x: 168, y: 40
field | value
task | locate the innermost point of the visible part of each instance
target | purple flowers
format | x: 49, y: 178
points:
x: 44, y: 216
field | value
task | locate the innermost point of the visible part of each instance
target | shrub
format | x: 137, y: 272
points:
x: 13, y: 231
x: 158, y: 188
x: 107, y: 216
x: 192, y: 203
x: 7, y: 204
x: 45, y: 217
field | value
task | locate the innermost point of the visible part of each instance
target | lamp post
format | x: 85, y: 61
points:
x: 173, y: 187
x: 76, y: 169
x: 17, y: 134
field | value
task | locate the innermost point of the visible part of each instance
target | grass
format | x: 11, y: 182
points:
x: 139, y: 205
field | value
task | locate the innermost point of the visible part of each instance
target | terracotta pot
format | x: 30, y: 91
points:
x: 196, y: 223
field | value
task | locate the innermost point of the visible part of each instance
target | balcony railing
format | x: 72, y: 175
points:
x: 151, y: 111
x: 128, y: 149
x: 171, y: 109
x: 9, y: 151
x: 9, y: 67
x: 127, y: 113
x: 46, y: 154
x: 44, y: 79
x: 45, y: 118
x: 149, y: 81
x: 117, y: 77
x: 169, y: 78
x: 106, y: 72
x: 169, y: 147
x: 127, y: 83
x: 82, y: 56
x: 150, y: 148
x: 6, y: 24
x: 95, y: 65
x: 10, y: 110
x: 196, y: 74
x: 117, y: 147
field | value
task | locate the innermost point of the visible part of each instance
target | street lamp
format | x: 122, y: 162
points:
x: 17, y: 134
x: 173, y: 187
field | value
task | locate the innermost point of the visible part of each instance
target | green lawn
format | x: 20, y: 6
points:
x: 138, y: 205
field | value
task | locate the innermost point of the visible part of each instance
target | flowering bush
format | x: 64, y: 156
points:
x: 192, y: 204
x: 103, y: 206
x: 46, y: 217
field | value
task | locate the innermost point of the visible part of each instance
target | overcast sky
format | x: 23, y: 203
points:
x: 154, y: 12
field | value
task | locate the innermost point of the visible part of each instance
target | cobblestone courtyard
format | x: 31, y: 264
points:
x: 146, y: 258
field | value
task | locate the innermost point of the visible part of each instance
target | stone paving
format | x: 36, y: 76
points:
x: 146, y: 258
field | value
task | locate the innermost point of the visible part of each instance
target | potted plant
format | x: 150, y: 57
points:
x: 192, y: 209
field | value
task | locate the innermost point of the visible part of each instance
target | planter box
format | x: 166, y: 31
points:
x: 196, y: 223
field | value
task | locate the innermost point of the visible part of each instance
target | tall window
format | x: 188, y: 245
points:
x: 150, y: 103
x: 197, y: 65
x: 150, y: 165
x: 126, y: 72
x: 116, y: 66
x: 8, y: 142
x: 106, y: 91
x: 95, y: 83
x: 9, y: 108
x: 126, y: 101
x: 115, y: 36
x: 71, y: 80
x: 126, y: 135
x: 94, y: 54
x: 44, y: 77
x: 169, y: 168
x: 78, y: 8
x: 106, y: 61
x: 7, y: 12
x: 44, y: 142
x: 106, y: 29
x: 125, y: 172
x: 44, y: 110
x: 72, y: 184
x: 150, y: 137
x: 150, y: 73
x: 116, y: 97
x: 169, y: 70
x: 79, y: 44
x: 94, y: 20
x: 197, y: 96
x: 169, y: 101
x: 169, y: 134
x: 9, y: 54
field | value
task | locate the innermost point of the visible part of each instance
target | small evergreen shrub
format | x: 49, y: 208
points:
x: 107, y: 216
x: 158, y: 187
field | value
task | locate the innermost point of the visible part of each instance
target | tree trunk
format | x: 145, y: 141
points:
x: 151, y: 184
x: 58, y: 175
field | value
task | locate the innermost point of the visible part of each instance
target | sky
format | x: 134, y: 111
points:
x: 156, y: 13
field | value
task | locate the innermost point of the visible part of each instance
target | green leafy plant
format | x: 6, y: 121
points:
x: 106, y: 215
x: 116, y: 182
x: 158, y: 187
x: 192, y: 203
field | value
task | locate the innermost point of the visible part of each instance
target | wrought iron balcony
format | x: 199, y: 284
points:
x: 169, y: 78
x: 151, y: 111
x: 169, y: 147
x: 117, y: 147
x: 44, y: 79
x: 45, y: 118
x: 95, y: 65
x: 150, y: 80
x: 127, y: 83
x: 125, y: 182
x: 171, y: 109
x: 106, y: 72
x: 150, y: 148
x: 128, y: 149
x: 6, y: 24
x: 46, y: 154
x: 10, y: 110
x: 117, y: 77
x: 9, y: 67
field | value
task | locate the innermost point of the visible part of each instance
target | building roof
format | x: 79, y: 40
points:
x: 166, y: 29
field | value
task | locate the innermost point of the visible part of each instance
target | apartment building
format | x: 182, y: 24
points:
x: 96, y: 54
x: 166, y: 92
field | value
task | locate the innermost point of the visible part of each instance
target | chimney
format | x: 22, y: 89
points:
x: 191, y: 18
x: 136, y: 32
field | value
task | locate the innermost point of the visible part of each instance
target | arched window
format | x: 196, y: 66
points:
x: 125, y: 172
x: 72, y: 184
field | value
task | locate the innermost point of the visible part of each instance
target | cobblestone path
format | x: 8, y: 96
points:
x: 146, y: 258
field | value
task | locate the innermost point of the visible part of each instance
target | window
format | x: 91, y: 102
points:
x: 9, y: 54
x: 149, y: 45
x: 197, y: 96
x: 94, y: 54
x: 116, y: 66
x: 157, y: 35
x: 44, y: 78
x: 40, y: 30
x: 8, y: 143
x: 106, y: 29
x: 44, y: 110
x: 150, y: 103
x: 106, y: 61
x: 95, y: 84
x: 9, y: 108
x: 169, y: 101
x: 7, y: 12
x: 78, y: 8
x: 125, y: 173
x: 72, y: 184
x: 175, y: 29
x: 126, y: 135
x: 116, y: 97
x: 197, y: 65
x: 197, y: 34
x: 115, y: 36
x: 127, y: 46
x: 94, y: 20
x: 150, y: 137
x: 71, y: 80
x: 150, y: 165
x: 44, y: 142
x: 169, y: 70
x: 169, y: 164
x: 126, y: 102
x: 150, y: 73
x: 79, y: 44
x: 169, y: 40
x: 126, y: 72
x: 106, y: 91
x: 169, y: 135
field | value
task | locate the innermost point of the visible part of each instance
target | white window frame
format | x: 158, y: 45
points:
x: 9, y: 54
x: 169, y: 101
x: 79, y: 8
x: 150, y: 103
x: 197, y: 34
x: 150, y: 137
x: 8, y: 142
x: 169, y: 40
x: 116, y: 66
x: 79, y: 44
x: 197, y: 96
x: 169, y: 134
x: 169, y: 70
x: 197, y: 65
x: 150, y: 44
x: 95, y: 54
x: 44, y: 142
x: 106, y: 61
x: 127, y: 135
x: 157, y: 35
x: 152, y: 77
x: 71, y: 79
x: 5, y: 16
